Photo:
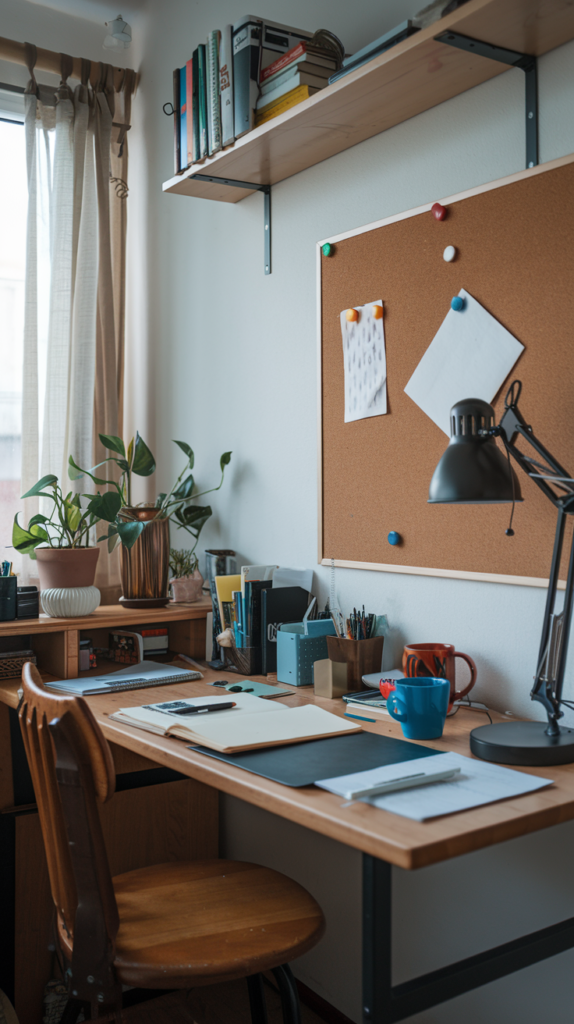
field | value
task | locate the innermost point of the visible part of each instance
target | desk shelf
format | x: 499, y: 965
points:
x: 412, y: 77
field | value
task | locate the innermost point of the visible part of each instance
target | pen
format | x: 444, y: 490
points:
x: 404, y: 782
x: 201, y: 709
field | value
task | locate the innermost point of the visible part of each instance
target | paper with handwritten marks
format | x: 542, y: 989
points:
x: 365, y: 364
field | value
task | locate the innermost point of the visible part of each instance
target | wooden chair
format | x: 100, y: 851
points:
x: 168, y: 926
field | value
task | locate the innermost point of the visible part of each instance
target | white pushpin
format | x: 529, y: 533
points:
x: 449, y: 254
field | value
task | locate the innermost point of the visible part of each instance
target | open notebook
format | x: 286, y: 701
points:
x: 251, y: 724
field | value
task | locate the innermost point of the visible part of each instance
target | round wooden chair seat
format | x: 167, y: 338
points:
x: 190, y: 923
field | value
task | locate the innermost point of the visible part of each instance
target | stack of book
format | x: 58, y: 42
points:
x: 228, y: 85
x: 292, y: 78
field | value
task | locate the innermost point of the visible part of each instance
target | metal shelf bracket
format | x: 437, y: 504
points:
x: 266, y: 189
x: 525, y: 62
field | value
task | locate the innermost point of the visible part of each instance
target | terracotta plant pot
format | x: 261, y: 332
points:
x: 66, y: 567
x: 144, y: 568
x: 187, y: 588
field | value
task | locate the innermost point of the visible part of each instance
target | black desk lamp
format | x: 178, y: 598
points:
x: 472, y: 471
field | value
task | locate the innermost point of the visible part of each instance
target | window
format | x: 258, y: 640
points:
x: 13, y: 208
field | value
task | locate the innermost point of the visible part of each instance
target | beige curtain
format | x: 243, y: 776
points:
x: 75, y: 280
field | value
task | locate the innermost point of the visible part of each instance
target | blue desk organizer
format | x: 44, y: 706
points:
x: 298, y: 651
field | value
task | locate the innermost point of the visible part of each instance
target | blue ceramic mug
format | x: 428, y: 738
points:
x: 420, y: 705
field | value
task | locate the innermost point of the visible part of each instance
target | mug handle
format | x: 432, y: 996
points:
x: 392, y: 709
x: 472, y: 667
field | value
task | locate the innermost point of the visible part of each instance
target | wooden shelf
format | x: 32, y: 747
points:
x: 414, y: 76
x: 108, y: 615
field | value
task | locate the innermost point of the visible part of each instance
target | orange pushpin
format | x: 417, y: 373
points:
x: 352, y: 315
x: 377, y: 312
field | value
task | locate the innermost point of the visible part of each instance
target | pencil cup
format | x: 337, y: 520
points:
x: 361, y: 656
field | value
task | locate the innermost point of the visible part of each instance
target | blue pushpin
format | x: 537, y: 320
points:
x: 394, y: 538
x: 328, y: 249
x: 457, y: 303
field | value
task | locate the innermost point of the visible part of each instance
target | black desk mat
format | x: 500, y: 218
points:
x: 301, y: 764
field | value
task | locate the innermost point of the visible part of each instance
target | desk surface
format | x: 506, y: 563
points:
x: 400, y: 841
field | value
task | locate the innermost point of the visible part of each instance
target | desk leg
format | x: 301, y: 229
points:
x: 384, y: 1003
x: 377, y: 942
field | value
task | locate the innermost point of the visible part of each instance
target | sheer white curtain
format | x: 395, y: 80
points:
x: 73, y: 338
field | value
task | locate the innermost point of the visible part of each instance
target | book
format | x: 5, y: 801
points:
x: 125, y: 646
x: 252, y: 602
x: 279, y: 605
x: 256, y: 44
x: 291, y: 99
x: 364, y: 713
x: 213, y: 106
x: 183, y: 118
x: 286, y: 86
x: 195, y: 105
x: 226, y: 86
x: 189, y: 109
x: 176, y: 132
x: 224, y: 586
x: 302, y: 53
x: 374, y: 49
x: 134, y: 677
x: 322, y: 74
x: 155, y: 639
x: 250, y: 725
x: 202, y: 100
x: 256, y: 572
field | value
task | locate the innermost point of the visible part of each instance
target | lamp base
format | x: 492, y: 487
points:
x: 522, y: 743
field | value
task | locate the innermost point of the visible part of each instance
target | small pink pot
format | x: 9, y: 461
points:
x: 187, y: 588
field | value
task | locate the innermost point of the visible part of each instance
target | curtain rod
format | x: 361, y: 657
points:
x: 48, y: 60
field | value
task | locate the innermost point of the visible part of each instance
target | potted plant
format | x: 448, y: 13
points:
x: 60, y: 542
x: 186, y: 580
x: 143, y: 530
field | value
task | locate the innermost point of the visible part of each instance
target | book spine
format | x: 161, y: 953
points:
x: 182, y: 119
x: 202, y: 96
x: 176, y: 131
x: 247, y: 614
x: 214, y: 110
x: 195, y: 104
x: 297, y: 82
x: 189, y: 109
x: 291, y: 100
x: 283, y: 62
x: 246, y: 58
x: 226, y: 87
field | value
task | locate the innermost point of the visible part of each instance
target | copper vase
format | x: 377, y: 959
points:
x: 144, y: 567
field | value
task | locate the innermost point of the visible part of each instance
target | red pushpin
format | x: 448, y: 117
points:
x: 438, y: 211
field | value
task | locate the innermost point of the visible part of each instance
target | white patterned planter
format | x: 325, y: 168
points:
x: 70, y: 602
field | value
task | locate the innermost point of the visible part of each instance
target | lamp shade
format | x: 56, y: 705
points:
x: 473, y: 470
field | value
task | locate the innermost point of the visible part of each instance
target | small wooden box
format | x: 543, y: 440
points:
x: 329, y: 678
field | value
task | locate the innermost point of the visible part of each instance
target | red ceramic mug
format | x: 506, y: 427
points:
x: 437, y: 661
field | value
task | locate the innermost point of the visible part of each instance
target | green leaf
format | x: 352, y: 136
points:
x: 185, y: 489
x: 38, y: 519
x: 194, y: 517
x: 129, y: 533
x: 113, y: 443
x: 26, y: 540
x: 105, y: 506
x: 73, y: 515
x: 75, y: 473
x: 112, y: 541
x: 47, y: 481
x: 124, y: 466
x: 225, y: 460
x: 187, y: 451
x: 143, y: 462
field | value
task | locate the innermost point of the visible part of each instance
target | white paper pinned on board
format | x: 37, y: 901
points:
x: 470, y: 356
x: 365, y: 364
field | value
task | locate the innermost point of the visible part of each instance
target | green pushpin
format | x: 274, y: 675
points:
x: 327, y: 249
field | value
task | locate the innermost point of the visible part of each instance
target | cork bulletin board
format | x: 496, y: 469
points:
x: 515, y: 255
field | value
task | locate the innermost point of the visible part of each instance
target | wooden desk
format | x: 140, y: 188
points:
x: 385, y: 839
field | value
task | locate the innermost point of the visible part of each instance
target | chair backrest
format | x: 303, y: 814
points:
x: 68, y: 754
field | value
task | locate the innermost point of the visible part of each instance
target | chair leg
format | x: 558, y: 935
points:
x: 290, y: 1004
x: 257, y: 999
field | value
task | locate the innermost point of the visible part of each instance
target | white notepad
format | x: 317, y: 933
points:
x: 477, y: 783
x: 253, y: 723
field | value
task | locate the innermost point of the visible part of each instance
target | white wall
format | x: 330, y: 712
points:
x: 234, y: 366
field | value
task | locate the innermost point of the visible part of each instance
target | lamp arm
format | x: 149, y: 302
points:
x: 546, y: 691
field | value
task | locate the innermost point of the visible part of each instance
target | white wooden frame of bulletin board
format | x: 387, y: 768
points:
x: 484, y: 577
